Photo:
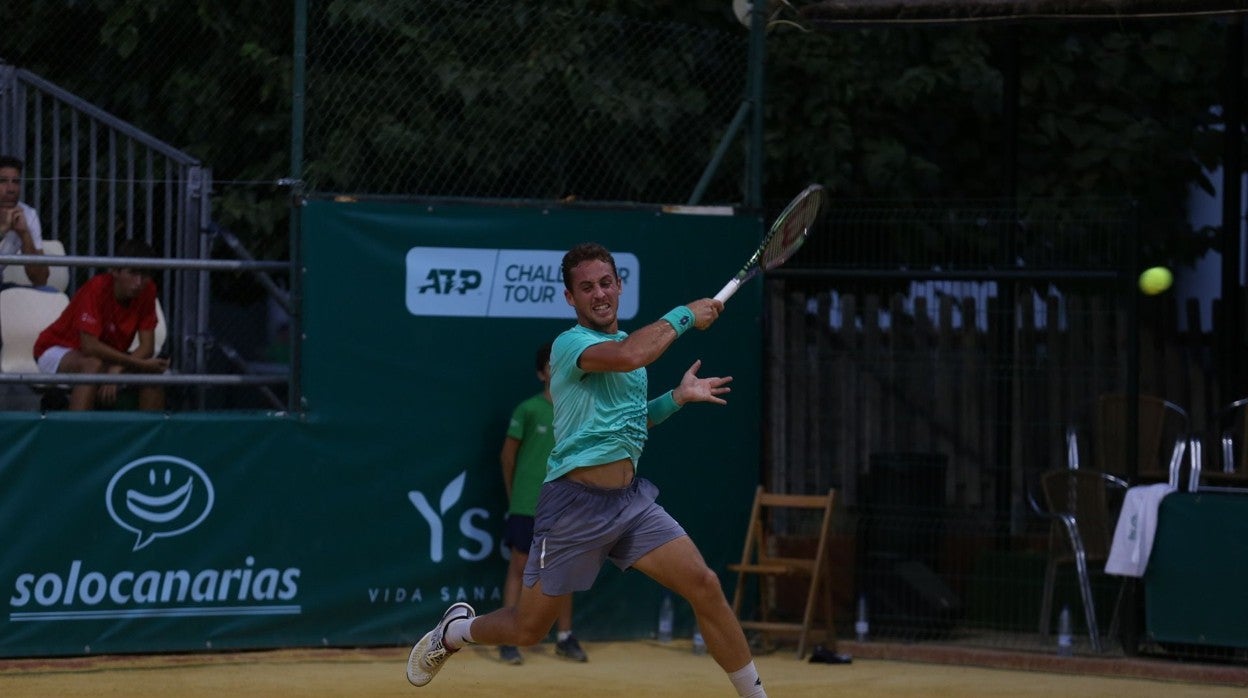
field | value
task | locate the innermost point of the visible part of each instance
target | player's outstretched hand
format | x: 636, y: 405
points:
x: 694, y: 389
x: 705, y: 312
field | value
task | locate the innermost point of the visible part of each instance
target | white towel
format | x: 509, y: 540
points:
x: 1133, y: 537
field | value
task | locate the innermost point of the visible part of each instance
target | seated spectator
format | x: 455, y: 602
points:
x: 20, y: 231
x: 94, y: 334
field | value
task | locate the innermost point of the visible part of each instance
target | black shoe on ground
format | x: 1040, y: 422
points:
x: 510, y: 654
x: 571, y: 649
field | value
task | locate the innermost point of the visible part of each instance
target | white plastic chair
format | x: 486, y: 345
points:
x: 24, y: 313
x: 58, y: 277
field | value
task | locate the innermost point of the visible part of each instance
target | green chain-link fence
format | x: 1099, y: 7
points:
x: 517, y: 100
x: 490, y: 99
x: 494, y: 99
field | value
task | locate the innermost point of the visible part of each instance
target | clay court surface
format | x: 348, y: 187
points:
x: 640, y: 668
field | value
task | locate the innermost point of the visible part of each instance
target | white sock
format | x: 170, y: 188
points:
x: 747, y: 682
x: 458, y: 633
x: 563, y: 635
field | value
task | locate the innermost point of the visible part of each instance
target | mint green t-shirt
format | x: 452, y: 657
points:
x: 599, y: 417
x: 532, y: 424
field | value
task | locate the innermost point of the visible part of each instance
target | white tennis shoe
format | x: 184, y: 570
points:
x: 428, y: 656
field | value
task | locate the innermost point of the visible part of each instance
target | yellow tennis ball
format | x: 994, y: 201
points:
x: 1155, y: 280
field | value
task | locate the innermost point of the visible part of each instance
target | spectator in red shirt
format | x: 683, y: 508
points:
x: 94, y: 334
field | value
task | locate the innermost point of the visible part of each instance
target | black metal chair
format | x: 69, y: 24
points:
x: 1083, y: 506
x: 1163, y: 438
x: 1231, y: 470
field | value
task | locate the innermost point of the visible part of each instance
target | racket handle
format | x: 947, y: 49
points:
x: 726, y: 292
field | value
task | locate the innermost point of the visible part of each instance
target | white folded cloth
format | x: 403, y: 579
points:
x: 1137, y: 524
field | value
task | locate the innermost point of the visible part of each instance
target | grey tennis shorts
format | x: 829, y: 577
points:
x: 578, y: 527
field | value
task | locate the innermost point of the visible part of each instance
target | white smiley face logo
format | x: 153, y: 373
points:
x: 159, y: 496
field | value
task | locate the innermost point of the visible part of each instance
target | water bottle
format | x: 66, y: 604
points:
x: 666, y: 613
x: 861, y: 628
x: 1065, y: 643
x: 699, y: 644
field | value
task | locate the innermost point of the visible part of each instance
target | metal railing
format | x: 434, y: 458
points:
x: 95, y: 180
x: 191, y: 374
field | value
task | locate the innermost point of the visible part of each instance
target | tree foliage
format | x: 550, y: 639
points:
x: 1103, y: 110
x: 1118, y: 111
x: 514, y: 100
x: 210, y: 77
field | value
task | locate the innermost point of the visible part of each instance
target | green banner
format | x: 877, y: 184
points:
x: 1193, y: 587
x: 359, y: 520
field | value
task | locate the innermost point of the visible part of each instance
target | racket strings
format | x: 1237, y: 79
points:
x: 791, y: 233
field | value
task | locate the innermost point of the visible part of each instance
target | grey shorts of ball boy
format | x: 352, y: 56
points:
x: 578, y: 527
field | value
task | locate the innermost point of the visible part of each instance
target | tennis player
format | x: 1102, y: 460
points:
x: 592, y: 506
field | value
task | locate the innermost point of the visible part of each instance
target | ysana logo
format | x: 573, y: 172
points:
x: 468, y: 527
x: 159, y: 497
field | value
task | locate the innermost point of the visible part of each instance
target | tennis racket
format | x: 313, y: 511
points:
x: 786, y: 235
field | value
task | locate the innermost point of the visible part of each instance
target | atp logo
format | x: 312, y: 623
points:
x: 159, y: 497
x: 468, y: 526
x: 451, y: 280
x: 500, y: 283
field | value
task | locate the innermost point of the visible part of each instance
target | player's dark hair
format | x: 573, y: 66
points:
x: 134, y: 247
x: 585, y: 252
x: 10, y: 161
